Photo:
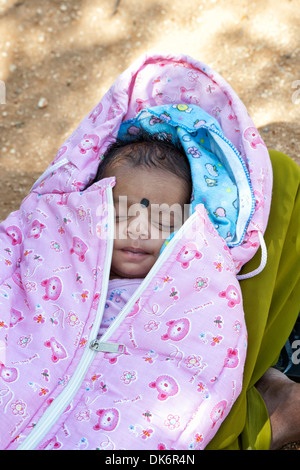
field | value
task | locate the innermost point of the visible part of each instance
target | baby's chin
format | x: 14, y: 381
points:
x: 114, y: 275
x: 132, y: 273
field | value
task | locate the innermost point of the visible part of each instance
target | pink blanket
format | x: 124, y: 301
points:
x: 167, y: 371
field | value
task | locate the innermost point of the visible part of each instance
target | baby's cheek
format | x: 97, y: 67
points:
x: 157, y: 249
x: 157, y: 234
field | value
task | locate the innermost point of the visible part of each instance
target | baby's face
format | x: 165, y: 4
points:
x: 140, y: 231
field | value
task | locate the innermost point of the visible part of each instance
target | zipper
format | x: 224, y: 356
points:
x: 158, y: 264
x: 59, y: 405
x: 98, y: 345
x: 250, y: 210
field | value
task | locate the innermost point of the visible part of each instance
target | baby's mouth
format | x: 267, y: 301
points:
x: 134, y: 252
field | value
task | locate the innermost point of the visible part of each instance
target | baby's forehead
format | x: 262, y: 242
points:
x: 154, y: 184
x: 148, y: 188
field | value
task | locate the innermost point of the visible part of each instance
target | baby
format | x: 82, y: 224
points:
x: 151, y: 197
x: 151, y: 200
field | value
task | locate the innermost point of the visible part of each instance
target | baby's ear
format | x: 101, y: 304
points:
x: 152, y: 385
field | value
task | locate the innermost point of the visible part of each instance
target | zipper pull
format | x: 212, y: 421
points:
x: 100, y: 346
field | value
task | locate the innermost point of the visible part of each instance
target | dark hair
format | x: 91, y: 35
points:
x: 147, y: 151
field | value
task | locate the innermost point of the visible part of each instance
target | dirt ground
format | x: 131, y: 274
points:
x: 58, y: 58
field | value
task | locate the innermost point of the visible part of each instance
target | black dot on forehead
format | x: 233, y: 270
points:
x: 145, y: 202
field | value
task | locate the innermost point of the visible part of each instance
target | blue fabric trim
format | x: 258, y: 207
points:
x: 217, y: 190
x: 250, y: 187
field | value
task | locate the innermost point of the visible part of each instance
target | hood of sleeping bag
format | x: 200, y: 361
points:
x: 220, y: 179
x: 226, y: 129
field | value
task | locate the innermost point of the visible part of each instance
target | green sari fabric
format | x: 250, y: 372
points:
x: 271, y: 304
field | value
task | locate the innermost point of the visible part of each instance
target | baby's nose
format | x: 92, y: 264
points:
x: 139, y: 226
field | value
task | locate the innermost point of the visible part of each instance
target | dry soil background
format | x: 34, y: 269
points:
x: 58, y: 57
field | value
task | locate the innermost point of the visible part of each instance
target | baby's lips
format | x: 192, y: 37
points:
x: 135, y: 250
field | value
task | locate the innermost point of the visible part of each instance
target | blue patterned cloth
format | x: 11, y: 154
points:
x: 216, y: 165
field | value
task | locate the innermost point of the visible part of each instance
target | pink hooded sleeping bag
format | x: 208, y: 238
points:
x: 167, y: 371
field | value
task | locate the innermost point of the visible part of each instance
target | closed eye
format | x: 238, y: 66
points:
x: 121, y: 218
x: 164, y: 227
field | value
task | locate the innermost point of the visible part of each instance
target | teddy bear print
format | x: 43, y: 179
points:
x: 108, y: 419
x: 58, y: 351
x: 114, y: 110
x: 96, y: 112
x: 166, y: 387
x: 187, y: 253
x: 178, y: 329
x: 53, y: 288
x: 232, y: 295
x: 79, y: 248
x: 51, y: 444
x: 15, y: 234
x: 36, y: 229
x: 218, y: 411
x: 113, y: 357
x: 15, y: 317
x: 89, y: 142
x: 8, y: 374
x: 232, y: 358
x: 252, y: 136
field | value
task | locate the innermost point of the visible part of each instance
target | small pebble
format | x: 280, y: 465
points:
x: 43, y: 102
